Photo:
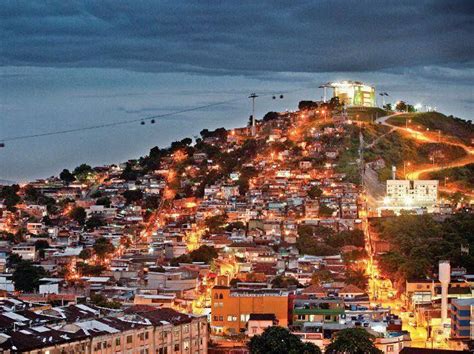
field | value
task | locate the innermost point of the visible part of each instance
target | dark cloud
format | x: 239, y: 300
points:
x: 235, y: 37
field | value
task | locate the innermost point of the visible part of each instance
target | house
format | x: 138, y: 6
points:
x: 258, y: 322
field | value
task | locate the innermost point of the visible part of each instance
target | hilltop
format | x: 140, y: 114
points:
x: 435, y: 121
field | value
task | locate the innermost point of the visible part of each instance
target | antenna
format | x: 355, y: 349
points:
x: 253, y: 96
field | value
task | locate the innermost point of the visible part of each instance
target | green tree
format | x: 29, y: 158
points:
x: 78, y: 214
x: 128, y: 173
x: 103, y: 247
x: 82, y: 171
x: 315, y: 192
x: 26, y: 276
x: 10, y: 196
x: 401, y: 106
x: 105, y: 201
x: 282, y: 281
x: 324, y: 210
x: 94, y: 222
x: 66, y: 176
x: 357, y: 277
x: 354, y: 341
x: 203, y: 254
x: 102, y: 301
x: 215, y: 223
x: 85, y: 254
x: 132, y: 196
x: 321, y: 276
x: 40, y: 246
x: 278, y: 340
x: 152, y: 202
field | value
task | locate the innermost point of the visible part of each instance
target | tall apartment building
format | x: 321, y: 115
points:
x: 412, y: 193
x: 462, y: 319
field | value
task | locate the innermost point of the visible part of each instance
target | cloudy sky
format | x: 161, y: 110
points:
x: 72, y: 64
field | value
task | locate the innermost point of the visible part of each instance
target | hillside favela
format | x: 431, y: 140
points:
x: 210, y: 193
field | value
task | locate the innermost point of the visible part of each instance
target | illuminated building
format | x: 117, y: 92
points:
x: 352, y: 93
x: 412, y: 193
x: 232, y: 307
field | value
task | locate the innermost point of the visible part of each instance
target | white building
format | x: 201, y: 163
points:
x: 411, y: 193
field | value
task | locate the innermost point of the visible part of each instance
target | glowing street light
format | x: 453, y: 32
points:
x: 405, y: 164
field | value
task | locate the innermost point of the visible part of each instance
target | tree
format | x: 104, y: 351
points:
x: 128, y: 173
x: 237, y: 225
x: 215, y: 223
x: 270, y: 116
x: 40, y: 246
x: 132, y: 196
x: 82, y: 171
x: 10, y: 196
x: 26, y: 276
x: 315, y: 192
x: 203, y: 254
x: 352, y: 340
x: 152, y: 202
x: 278, y: 340
x: 13, y: 260
x: 401, y: 106
x: 85, y: 254
x: 306, y: 105
x: 324, y: 210
x: 388, y: 107
x: 102, y: 247
x: 78, y: 214
x: 90, y: 270
x: 101, y: 301
x: 105, y: 201
x: 357, y: 277
x: 66, y: 176
x: 94, y: 222
x: 282, y: 281
x: 321, y: 276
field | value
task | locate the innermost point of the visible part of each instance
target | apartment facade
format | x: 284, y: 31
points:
x: 462, y: 319
x: 232, y: 307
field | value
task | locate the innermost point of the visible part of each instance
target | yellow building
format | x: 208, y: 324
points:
x: 353, y: 93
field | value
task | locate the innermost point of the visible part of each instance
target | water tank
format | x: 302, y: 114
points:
x: 444, y: 272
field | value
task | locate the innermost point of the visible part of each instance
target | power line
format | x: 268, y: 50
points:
x: 130, y: 121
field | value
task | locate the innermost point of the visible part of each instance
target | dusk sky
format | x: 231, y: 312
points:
x: 73, y: 64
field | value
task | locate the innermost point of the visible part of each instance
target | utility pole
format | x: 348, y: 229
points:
x: 253, y: 96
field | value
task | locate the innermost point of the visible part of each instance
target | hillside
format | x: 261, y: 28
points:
x: 365, y: 114
x: 434, y: 121
x: 395, y: 148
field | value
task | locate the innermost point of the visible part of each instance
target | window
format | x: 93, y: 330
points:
x: 221, y: 296
x: 117, y: 341
x: 176, y: 347
x: 244, y: 317
x: 186, y: 329
x: 216, y: 318
x: 129, y: 339
x: 221, y: 318
x: 389, y: 348
x: 186, y: 345
x: 146, y: 335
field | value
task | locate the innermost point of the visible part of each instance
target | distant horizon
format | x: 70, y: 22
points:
x: 76, y: 64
